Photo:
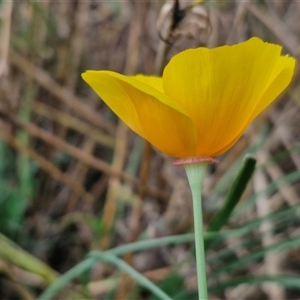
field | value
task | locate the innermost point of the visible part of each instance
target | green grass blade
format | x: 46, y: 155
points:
x: 64, y: 279
x: 138, y: 277
x: 234, y: 196
x: 291, y: 178
x: 254, y: 256
x: 287, y: 281
x: 280, y: 216
x: 15, y: 255
x: 96, y: 256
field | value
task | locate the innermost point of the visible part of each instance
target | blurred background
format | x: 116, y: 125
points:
x: 73, y: 178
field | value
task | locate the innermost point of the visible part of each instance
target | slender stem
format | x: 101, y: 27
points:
x: 195, y: 174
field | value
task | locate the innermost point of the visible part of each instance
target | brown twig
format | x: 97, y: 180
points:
x: 88, y: 159
x: 74, y: 123
x: 5, y: 36
x: 47, y: 82
x: 44, y: 164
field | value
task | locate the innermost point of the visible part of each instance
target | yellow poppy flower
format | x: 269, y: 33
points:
x: 205, y: 99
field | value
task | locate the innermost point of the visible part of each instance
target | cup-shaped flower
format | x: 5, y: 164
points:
x: 205, y: 99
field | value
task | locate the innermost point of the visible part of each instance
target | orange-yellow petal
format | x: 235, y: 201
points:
x: 281, y: 78
x: 223, y: 89
x: 153, y: 81
x: 146, y: 110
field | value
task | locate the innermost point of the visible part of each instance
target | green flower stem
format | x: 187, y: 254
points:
x: 195, y: 173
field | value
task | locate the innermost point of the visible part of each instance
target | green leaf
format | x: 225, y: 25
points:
x: 233, y: 197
